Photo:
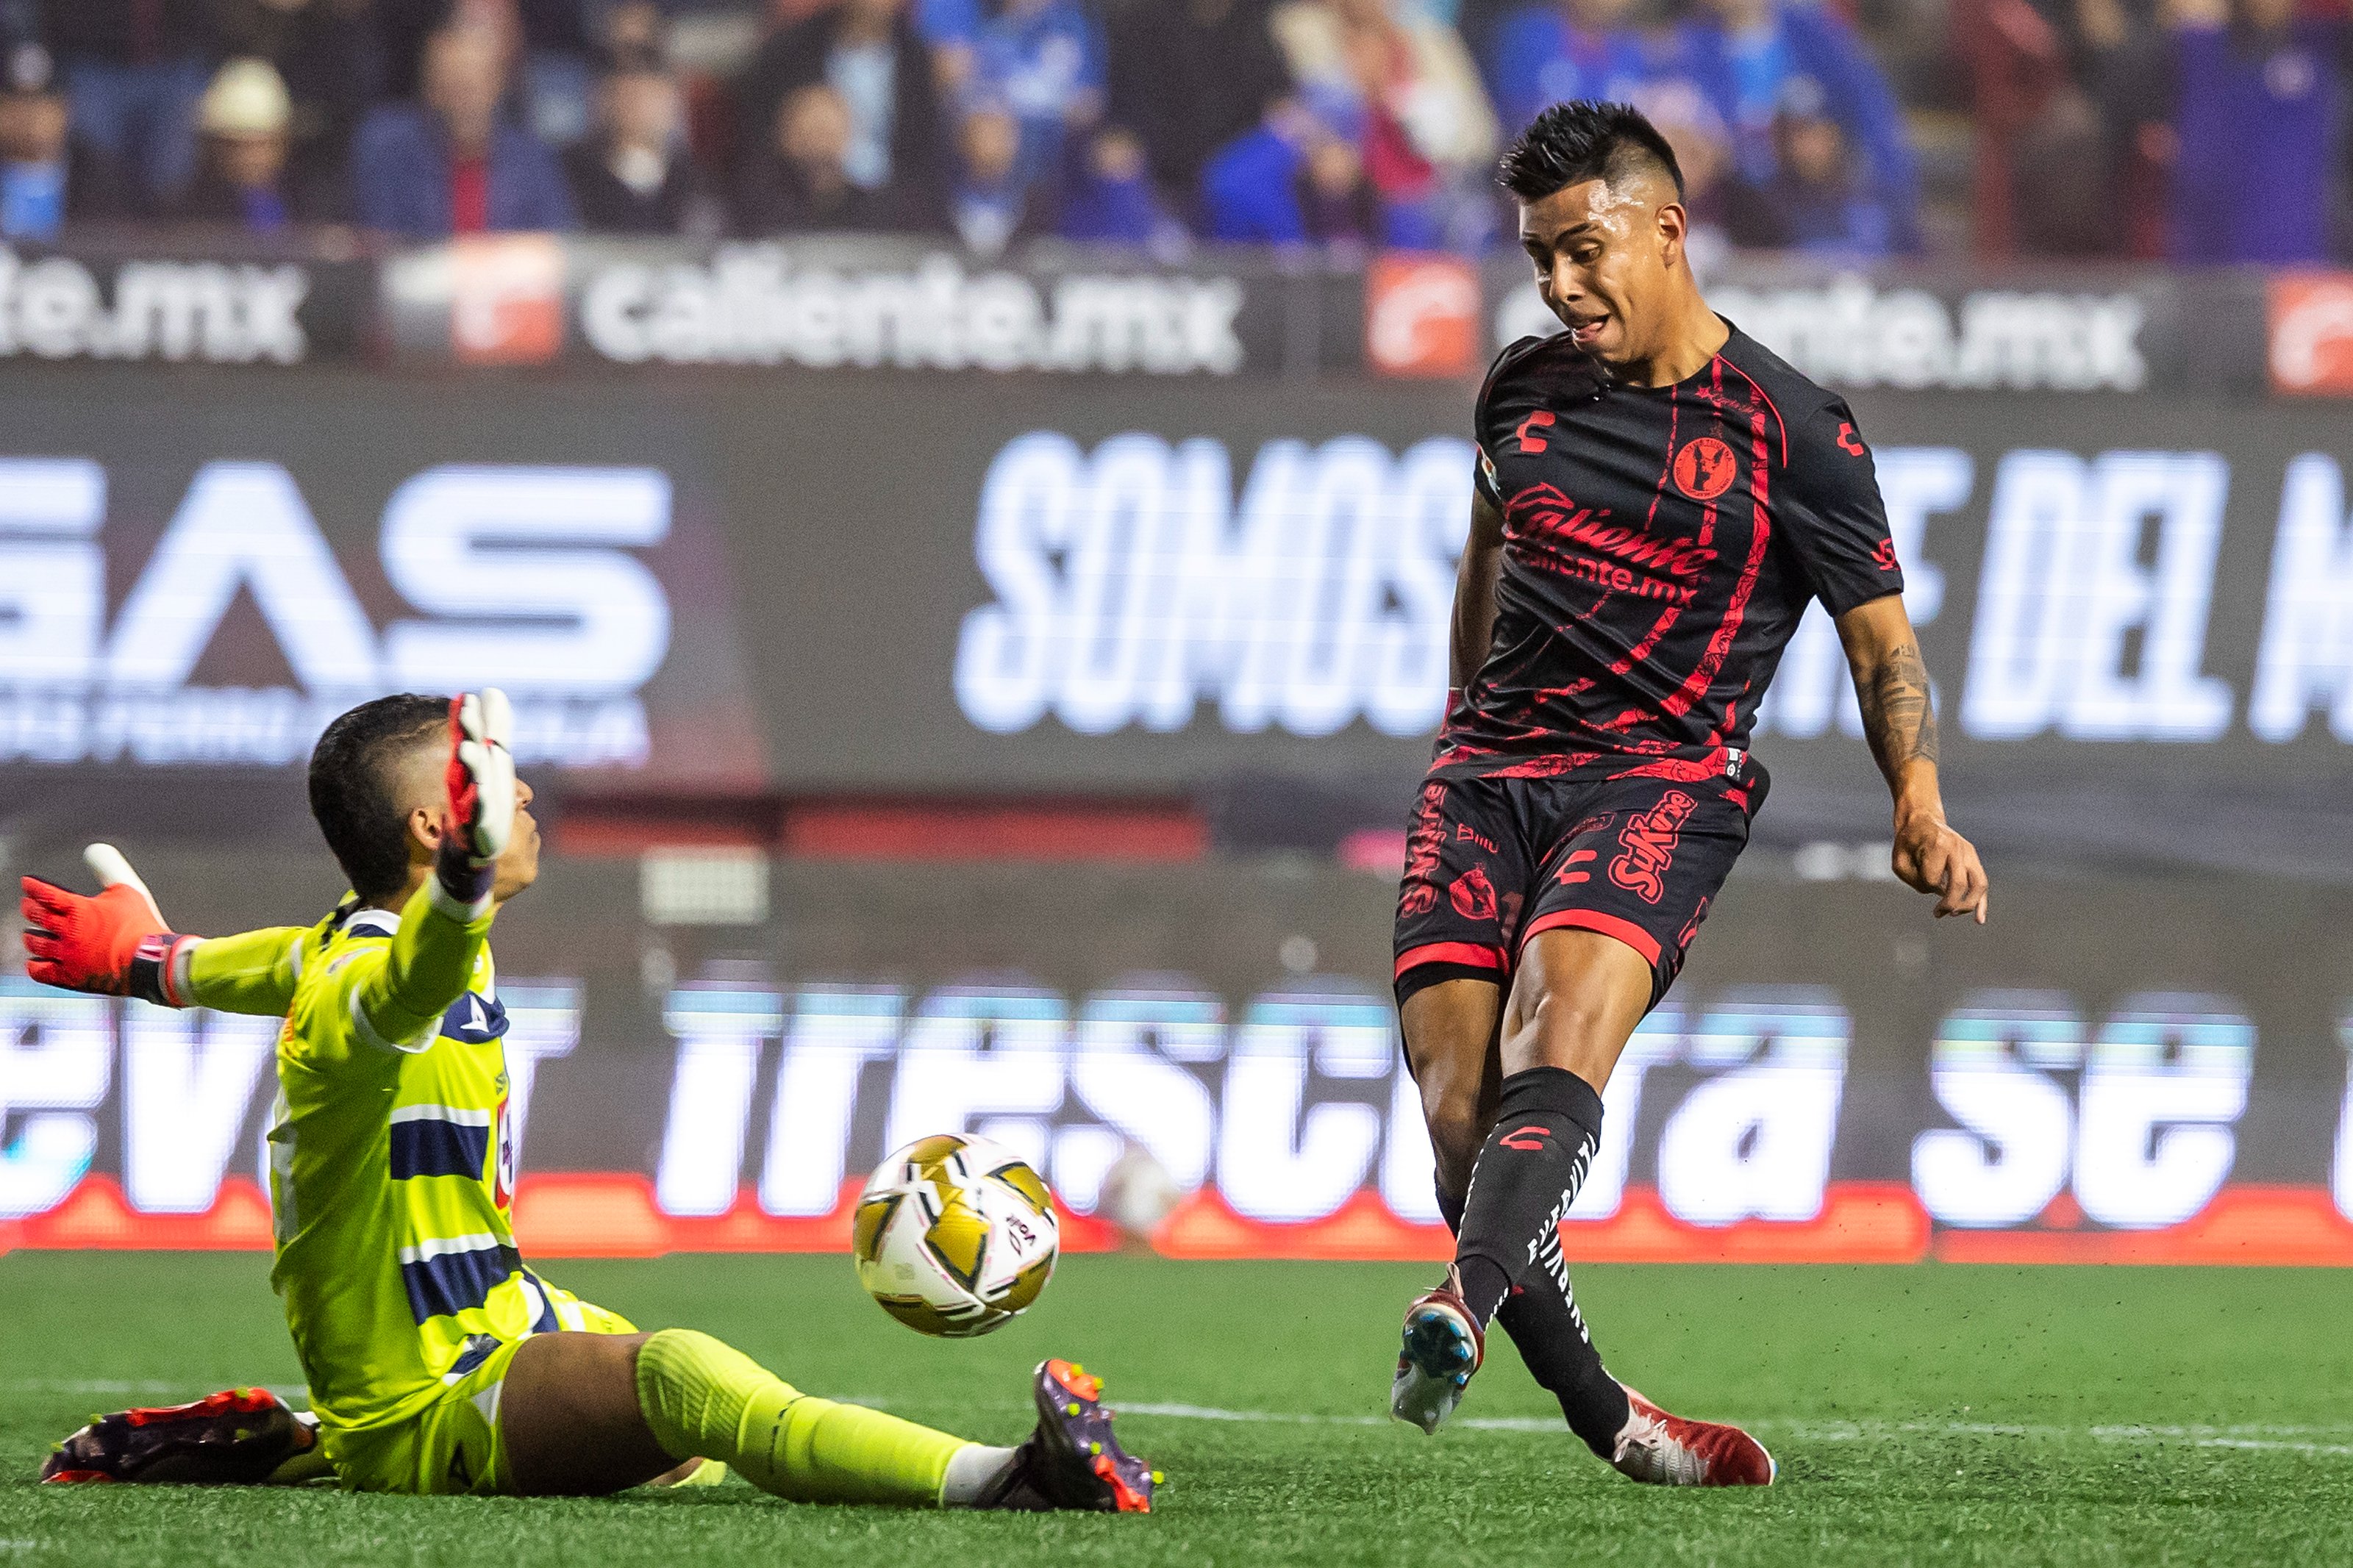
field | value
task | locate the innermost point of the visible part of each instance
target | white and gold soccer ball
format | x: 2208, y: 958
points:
x: 954, y: 1236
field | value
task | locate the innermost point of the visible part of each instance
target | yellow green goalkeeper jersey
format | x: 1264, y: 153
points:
x: 391, y: 1152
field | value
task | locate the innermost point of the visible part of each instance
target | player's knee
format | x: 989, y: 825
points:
x: 1565, y: 1013
x: 1581, y: 1028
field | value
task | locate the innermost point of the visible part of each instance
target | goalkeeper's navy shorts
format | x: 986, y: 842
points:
x: 1490, y: 862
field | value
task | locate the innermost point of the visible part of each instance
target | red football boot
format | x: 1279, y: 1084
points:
x: 1669, y: 1451
x: 239, y: 1437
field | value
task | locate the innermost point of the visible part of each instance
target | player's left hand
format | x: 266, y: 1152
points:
x: 1930, y: 857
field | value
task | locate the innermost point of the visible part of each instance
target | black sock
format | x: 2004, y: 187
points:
x: 1550, y: 1335
x: 1548, y: 1126
x: 1449, y: 1209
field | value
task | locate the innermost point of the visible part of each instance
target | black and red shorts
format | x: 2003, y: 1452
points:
x: 1490, y: 862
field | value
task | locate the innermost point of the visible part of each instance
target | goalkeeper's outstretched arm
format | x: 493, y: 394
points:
x: 118, y: 945
x: 446, y: 921
x: 252, y: 972
x: 117, y: 942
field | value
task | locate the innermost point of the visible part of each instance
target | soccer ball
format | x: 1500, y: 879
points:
x: 1138, y: 1193
x: 954, y: 1236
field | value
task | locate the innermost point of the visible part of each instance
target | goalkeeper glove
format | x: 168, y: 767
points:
x: 479, y: 817
x: 114, y: 944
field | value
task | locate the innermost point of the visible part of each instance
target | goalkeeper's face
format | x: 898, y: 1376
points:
x: 518, y: 866
x: 420, y: 785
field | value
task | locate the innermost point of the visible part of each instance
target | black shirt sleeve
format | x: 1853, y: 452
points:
x: 1482, y: 478
x: 1483, y: 463
x: 1832, y: 516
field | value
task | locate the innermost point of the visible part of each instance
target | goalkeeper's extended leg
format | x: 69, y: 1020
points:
x: 588, y: 1414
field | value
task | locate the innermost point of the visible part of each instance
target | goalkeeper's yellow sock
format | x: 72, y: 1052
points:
x: 703, y: 1398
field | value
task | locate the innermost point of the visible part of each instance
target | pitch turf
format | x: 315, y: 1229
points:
x: 1937, y: 1414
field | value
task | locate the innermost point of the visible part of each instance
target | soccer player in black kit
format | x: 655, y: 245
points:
x: 1657, y: 500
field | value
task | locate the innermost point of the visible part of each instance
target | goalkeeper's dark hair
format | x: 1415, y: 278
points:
x: 1570, y: 144
x: 353, y: 774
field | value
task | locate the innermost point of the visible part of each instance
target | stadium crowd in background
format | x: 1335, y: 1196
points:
x: 2202, y: 130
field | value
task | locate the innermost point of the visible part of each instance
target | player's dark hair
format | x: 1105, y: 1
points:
x: 353, y: 774
x: 1570, y: 144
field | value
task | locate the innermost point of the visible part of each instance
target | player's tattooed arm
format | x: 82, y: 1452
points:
x: 1891, y: 684
x: 1474, y: 591
x: 1899, y: 711
x: 1899, y: 719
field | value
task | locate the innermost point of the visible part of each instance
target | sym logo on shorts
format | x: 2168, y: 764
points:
x: 1649, y: 839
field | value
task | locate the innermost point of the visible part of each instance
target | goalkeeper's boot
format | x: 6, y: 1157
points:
x: 1669, y: 1451
x: 1442, y: 1347
x: 1071, y: 1461
x: 239, y: 1437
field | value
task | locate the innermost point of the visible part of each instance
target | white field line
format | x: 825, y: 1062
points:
x: 149, y: 1388
x: 89, y: 1385
x: 2285, y: 1439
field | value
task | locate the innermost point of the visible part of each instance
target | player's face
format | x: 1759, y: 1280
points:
x: 1601, y: 257
x: 518, y: 867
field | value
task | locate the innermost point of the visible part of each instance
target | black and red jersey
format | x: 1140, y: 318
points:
x: 1660, y: 544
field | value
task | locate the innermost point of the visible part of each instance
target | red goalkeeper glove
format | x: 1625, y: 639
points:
x: 479, y: 779
x: 114, y: 944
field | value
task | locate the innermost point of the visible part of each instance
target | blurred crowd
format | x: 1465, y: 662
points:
x: 2199, y: 131
x: 1153, y: 124
x: 2205, y: 128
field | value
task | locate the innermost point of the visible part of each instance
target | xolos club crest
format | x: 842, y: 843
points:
x: 1705, y: 469
x: 1473, y: 895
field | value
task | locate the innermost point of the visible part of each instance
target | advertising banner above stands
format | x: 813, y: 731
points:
x: 836, y: 303
x: 1836, y: 1078
x: 173, y: 308
x: 830, y: 304
x: 1939, y: 329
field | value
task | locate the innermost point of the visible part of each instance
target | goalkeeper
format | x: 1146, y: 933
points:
x: 436, y: 1361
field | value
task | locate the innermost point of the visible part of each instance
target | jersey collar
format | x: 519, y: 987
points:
x: 372, y: 923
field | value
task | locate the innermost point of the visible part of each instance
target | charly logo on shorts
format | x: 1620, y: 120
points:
x: 1704, y: 469
x: 1649, y: 839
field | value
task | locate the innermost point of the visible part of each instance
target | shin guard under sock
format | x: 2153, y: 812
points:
x: 1548, y: 1126
x: 1550, y: 1335
x: 704, y: 1398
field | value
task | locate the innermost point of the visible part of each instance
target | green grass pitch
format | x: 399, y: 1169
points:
x: 1937, y: 1414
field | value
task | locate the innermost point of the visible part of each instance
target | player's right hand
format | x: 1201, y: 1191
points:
x: 1930, y: 857
x: 481, y: 777
x: 113, y: 944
